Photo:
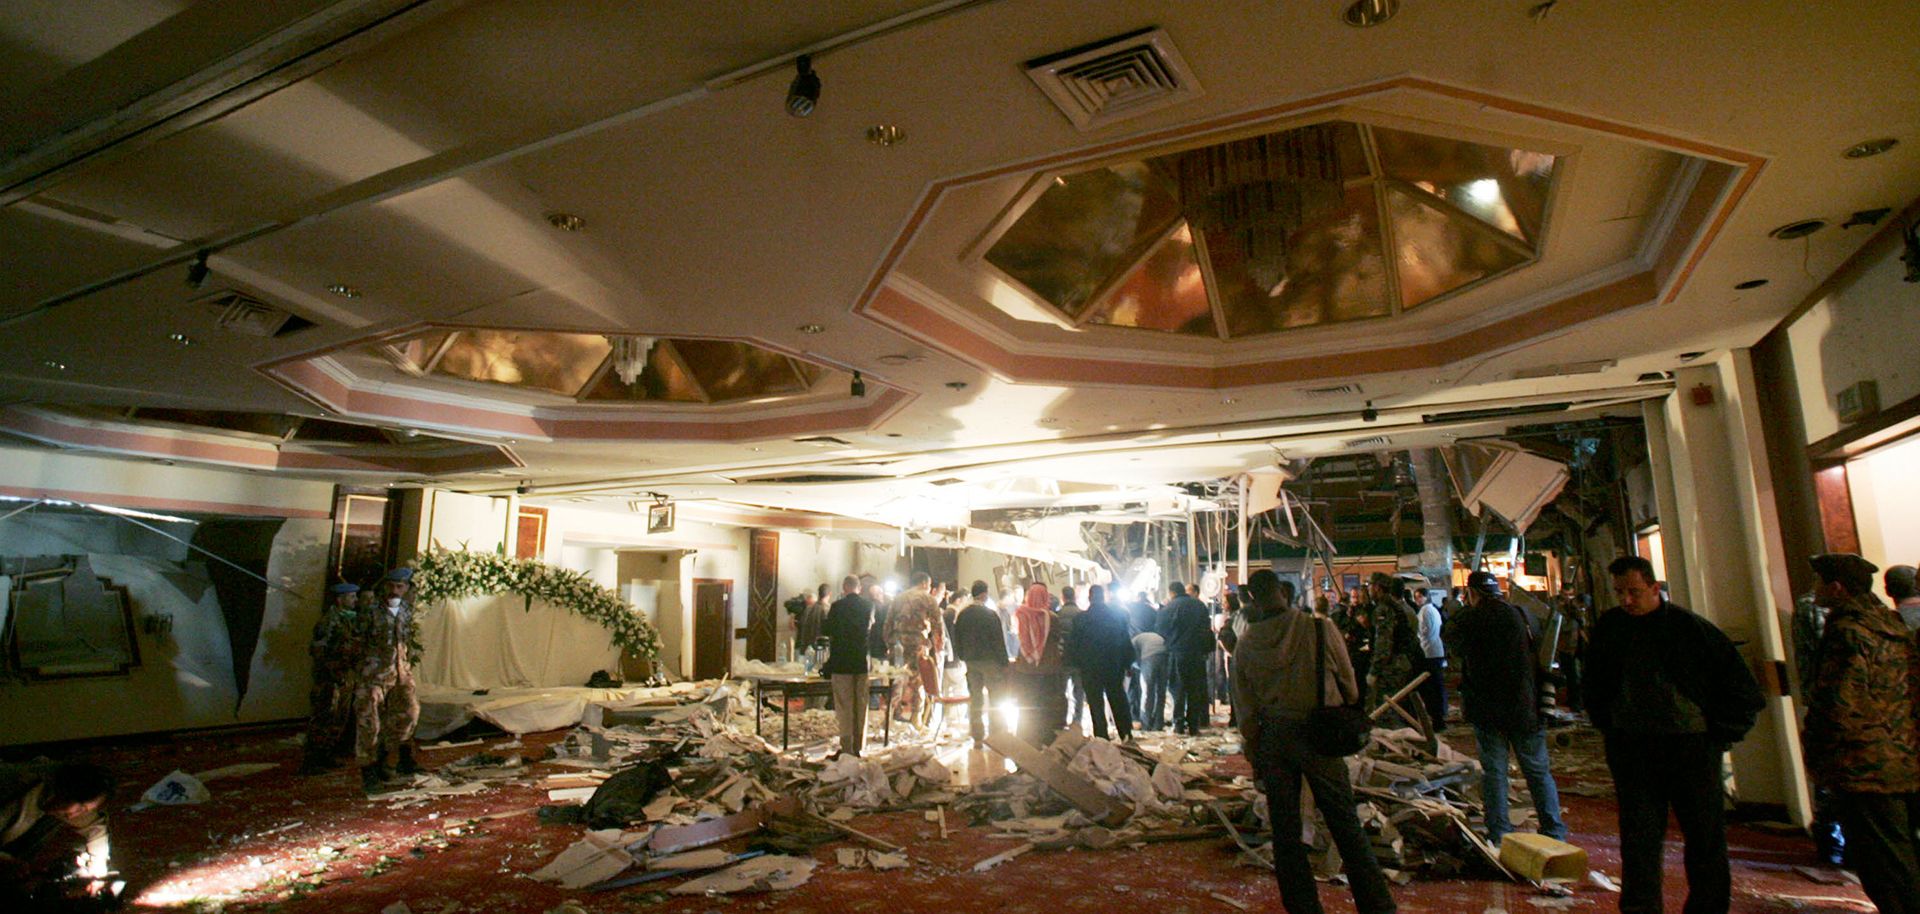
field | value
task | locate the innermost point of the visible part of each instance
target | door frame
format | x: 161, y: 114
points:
x: 726, y: 628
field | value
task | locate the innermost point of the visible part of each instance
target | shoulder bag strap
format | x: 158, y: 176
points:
x: 1319, y: 663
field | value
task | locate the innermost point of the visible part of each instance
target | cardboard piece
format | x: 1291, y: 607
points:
x: 771, y: 873
x: 1077, y: 790
x: 1537, y: 857
x: 594, y: 858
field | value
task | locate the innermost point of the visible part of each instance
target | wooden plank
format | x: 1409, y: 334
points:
x: 1077, y: 790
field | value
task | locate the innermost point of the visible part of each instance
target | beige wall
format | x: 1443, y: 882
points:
x: 1863, y: 331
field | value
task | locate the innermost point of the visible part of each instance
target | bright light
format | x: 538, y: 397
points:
x: 1010, y: 712
x: 893, y: 587
x: 1485, y: 191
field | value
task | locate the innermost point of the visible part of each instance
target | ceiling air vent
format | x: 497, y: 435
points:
x: 822, y: 441
x: 1563, y: 370
x: 242, y: 313
x: 1368, y: 442
x: 1097, y: 84
x: 1338, y: 390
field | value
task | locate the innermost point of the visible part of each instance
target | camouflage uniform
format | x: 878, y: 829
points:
x: 385, y: 708
x: 1860, y: 734
x: 335, y: 661
x: 913, y: 625
x: 1396, y: 650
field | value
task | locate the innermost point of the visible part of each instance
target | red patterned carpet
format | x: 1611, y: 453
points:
x: 274, y: 842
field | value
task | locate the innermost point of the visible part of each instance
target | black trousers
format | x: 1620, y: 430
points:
x: 1108, y: 689
x: 1879, y: 829
x: 1190, y: 707
x: 1283, y: 761
x: 1433, y: 692
x: 1654, y: 773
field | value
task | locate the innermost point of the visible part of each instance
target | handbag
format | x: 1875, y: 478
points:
x: 1333, y: 730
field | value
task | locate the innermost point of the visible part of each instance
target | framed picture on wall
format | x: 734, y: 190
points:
x: 660, y: 518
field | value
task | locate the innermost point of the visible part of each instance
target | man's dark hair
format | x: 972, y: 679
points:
x: 1066, y: 593
x: 1288, y: 591
x: 979, y: 589
x: 1177, y: 589
x: 1627, y: 563
x: 850, y: 584
x: 823, y: 591
x: 1096, y: 596
x: 1900, y: 581
x: 1263, y: 584
x: 77, y: 782
x: 921, y: 577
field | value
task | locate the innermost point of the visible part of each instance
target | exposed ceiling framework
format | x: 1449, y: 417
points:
x: 393, y: 213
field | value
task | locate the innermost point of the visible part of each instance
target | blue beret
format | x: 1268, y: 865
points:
x: 401, y: 574
x: 344, y: 587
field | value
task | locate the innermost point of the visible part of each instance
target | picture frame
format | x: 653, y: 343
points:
x: 660, y: 518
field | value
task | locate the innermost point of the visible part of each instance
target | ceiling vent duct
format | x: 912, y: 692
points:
x: 242, y: 313
x: 1373, y: 441
x: 1097, y: 84
x: 1338, y: 390
x: 1563, y: 370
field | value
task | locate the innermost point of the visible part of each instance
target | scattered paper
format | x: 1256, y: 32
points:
x: 177, y: 789
x: 594, y: 858
x: 1602, y: 880
x: 771, y: 873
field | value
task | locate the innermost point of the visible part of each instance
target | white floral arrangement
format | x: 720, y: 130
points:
x: 441, y: 575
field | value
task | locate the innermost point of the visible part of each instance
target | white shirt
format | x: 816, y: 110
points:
x: 1430, y: 644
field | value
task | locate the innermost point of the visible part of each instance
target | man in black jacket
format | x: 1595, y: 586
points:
x: 1100, y: 648
x: 1495, y: 645
x: 980, y: 642
x: 1668, y: 692
x: 846, y: 666
x: 1188, y: 628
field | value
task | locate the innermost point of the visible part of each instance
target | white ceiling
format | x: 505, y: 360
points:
x: 418, y: 164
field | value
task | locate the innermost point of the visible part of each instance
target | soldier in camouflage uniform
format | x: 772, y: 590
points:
x: 915, y: 625
x: 385, y: 708
x: 335, y: 659
x: 1859, y: 737
x: 1396, y: 646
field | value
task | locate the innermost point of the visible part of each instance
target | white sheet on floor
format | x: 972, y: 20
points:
x: 499, y: 642
x: 444, y: 710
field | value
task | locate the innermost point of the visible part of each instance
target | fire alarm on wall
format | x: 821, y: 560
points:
x: 1702, y: 395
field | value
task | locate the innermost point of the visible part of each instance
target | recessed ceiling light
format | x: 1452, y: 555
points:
x: 1367, y: 13
x: 1800, y: 229
x: 893, y: 434
x: 566, y: 222
x: 1873, y: 147
x: 884, y: 135
x: 812, y: 328
x: 1047, y: 420
x: 1690, y: 356
x: 181, y: 338
x: 56, y: 366
x: 343, y: 290
x: 956, y: 385
x: 1750, y: 284
x: 895, y: 358
x: 1229, y: 400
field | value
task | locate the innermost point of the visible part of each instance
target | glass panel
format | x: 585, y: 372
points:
x: 735, y: 371
x: 1505, y: 187
x: 1335, y: 272
x: 1083, y: 230
x: 1166, y: 292
x: 417, y: 351
x: 326, y: 431
x: 557, y: 362
x: 1438, y: 251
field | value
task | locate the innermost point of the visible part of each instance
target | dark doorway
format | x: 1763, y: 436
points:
x: 712, y: 628
x: 763, y: 594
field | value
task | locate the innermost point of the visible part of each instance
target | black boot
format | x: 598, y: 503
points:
x: 373, y: 778
x: 407, y: 764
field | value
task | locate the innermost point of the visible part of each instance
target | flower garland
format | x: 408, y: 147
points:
x: 441, y: 575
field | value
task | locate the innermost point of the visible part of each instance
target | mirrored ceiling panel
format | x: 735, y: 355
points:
x: 557, y: 363
x: 1278, y: 231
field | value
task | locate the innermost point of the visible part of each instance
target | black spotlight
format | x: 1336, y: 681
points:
x: 805, y: 91
x: 859, y: 386
x: 198, y: 270
x: 1369, y: 414
x: 1911, y: 254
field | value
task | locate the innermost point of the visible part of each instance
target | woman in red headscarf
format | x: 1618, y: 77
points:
x: 1038, y: 668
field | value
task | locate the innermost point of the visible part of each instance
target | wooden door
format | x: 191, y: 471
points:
x: 763, y: 595
x: 712, y: 628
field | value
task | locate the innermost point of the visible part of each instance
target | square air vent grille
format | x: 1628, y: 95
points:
x: 1338, y: 390
x: 1097, y: 84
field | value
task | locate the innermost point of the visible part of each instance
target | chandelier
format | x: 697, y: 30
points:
x: 1261, y: 190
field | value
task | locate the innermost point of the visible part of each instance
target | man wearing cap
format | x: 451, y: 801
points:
x: 334, y: 656
x: 1905, y: 594
x: 1494, y: 642
x: 1668, y: 691
x: 385, y: 708
x: 1859, y: 735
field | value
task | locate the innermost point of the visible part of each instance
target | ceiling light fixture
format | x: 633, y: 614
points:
x: 1910, y: 251
x: 197, y: 271
x: 630, y: 355
x: 859, y: 386
x: 812, y: 328
x: 1368, y: 13
x: 885, y: 135
x: 181, y: 338
x: 1873, y: 147
x: 804, y: 93
x: 343, y: 290
x: 1750, y: 284
x: 56, y: 366
x: 1800, y: 229
x: 956, y: 385
x: 566, y: 222
x: 1369, y: 414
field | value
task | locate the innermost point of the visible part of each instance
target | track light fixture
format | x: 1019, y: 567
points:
x: 804, y: 93
x: 1910, y: 252
x: 859, y: 386
x: 197, y: 271
x: 1369, y: 414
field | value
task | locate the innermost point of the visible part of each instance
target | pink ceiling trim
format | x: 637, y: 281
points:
x: 146, y: 502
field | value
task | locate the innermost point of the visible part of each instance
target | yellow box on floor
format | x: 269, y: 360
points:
x: 1538, y: 857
